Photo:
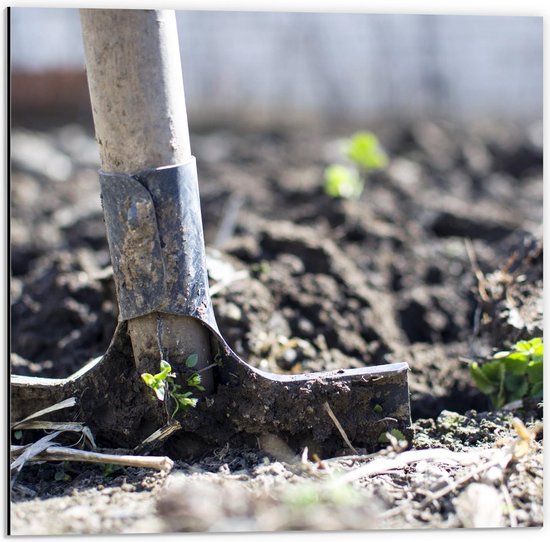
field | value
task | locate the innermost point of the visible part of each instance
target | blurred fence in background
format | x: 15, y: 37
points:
x: 268, y: 68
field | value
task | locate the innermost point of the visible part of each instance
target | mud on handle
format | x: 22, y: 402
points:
x: 156, y: 241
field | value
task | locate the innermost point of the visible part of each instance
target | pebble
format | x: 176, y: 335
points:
x: 108, y: 491
x: 232, y: 312
x: 480, y: 506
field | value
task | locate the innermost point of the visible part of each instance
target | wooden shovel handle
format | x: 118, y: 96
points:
x: 138, y: 103
x: 136, y: 88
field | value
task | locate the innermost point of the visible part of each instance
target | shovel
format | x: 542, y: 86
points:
x: 150, y: 196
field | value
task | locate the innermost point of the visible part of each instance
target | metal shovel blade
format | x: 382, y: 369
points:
x: 245, y: 405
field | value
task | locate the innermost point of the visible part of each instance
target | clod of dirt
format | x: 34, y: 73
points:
x: 64, y: 315
x: 511, y: 297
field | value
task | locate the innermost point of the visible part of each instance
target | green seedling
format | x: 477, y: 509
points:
x: 364, y: 150
x: 363, y: 154
x: 164, y: 385
x: 343, y: 182
x: 511, y: 375
x: 159, y: 382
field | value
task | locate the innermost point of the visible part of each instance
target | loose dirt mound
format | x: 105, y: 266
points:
x: 440, y: 260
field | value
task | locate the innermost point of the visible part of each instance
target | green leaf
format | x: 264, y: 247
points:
x: 538, y: 350
x: 516, y: 363
x: 18, y: 435
x: 512, y: 374
x: 537, y: 357
x: 364, y: 149
x: 342, y: 182
x: 192, y: 360
x: 185, y: 401
x: 165, y: 370
x: 494, y: 371
x: 502, y: 354
x: 195, y: 381
x: 514, y: 381
x: 481, y: 380
x: 516, y: 386
x: 160, y: 390
x: 149, y: 379
x: 156, y: 384
x: 537, y: 342
x: 527, y: 346
x: 534, y: 348
x: 535, y: 372
x: 536, y: 390
x: 498, y: 399
x: 519, y: 356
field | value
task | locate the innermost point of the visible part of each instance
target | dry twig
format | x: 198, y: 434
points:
x: 158, y: 437
x: 510, y: 506
x: 67, y: 403
x: 481, y: 280
x: 59, y: 453
x: 339, y: 427
x: 382, y: 465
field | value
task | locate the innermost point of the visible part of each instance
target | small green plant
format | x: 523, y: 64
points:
x: 364, y: 154
x: 513, y: 374
x: 164, y: 385
x: 343, y: 182
x: 364, y: 149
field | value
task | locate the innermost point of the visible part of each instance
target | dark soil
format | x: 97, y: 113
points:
x: 439, y: 261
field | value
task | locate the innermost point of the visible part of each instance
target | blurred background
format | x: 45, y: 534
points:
x: 285, y: 68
